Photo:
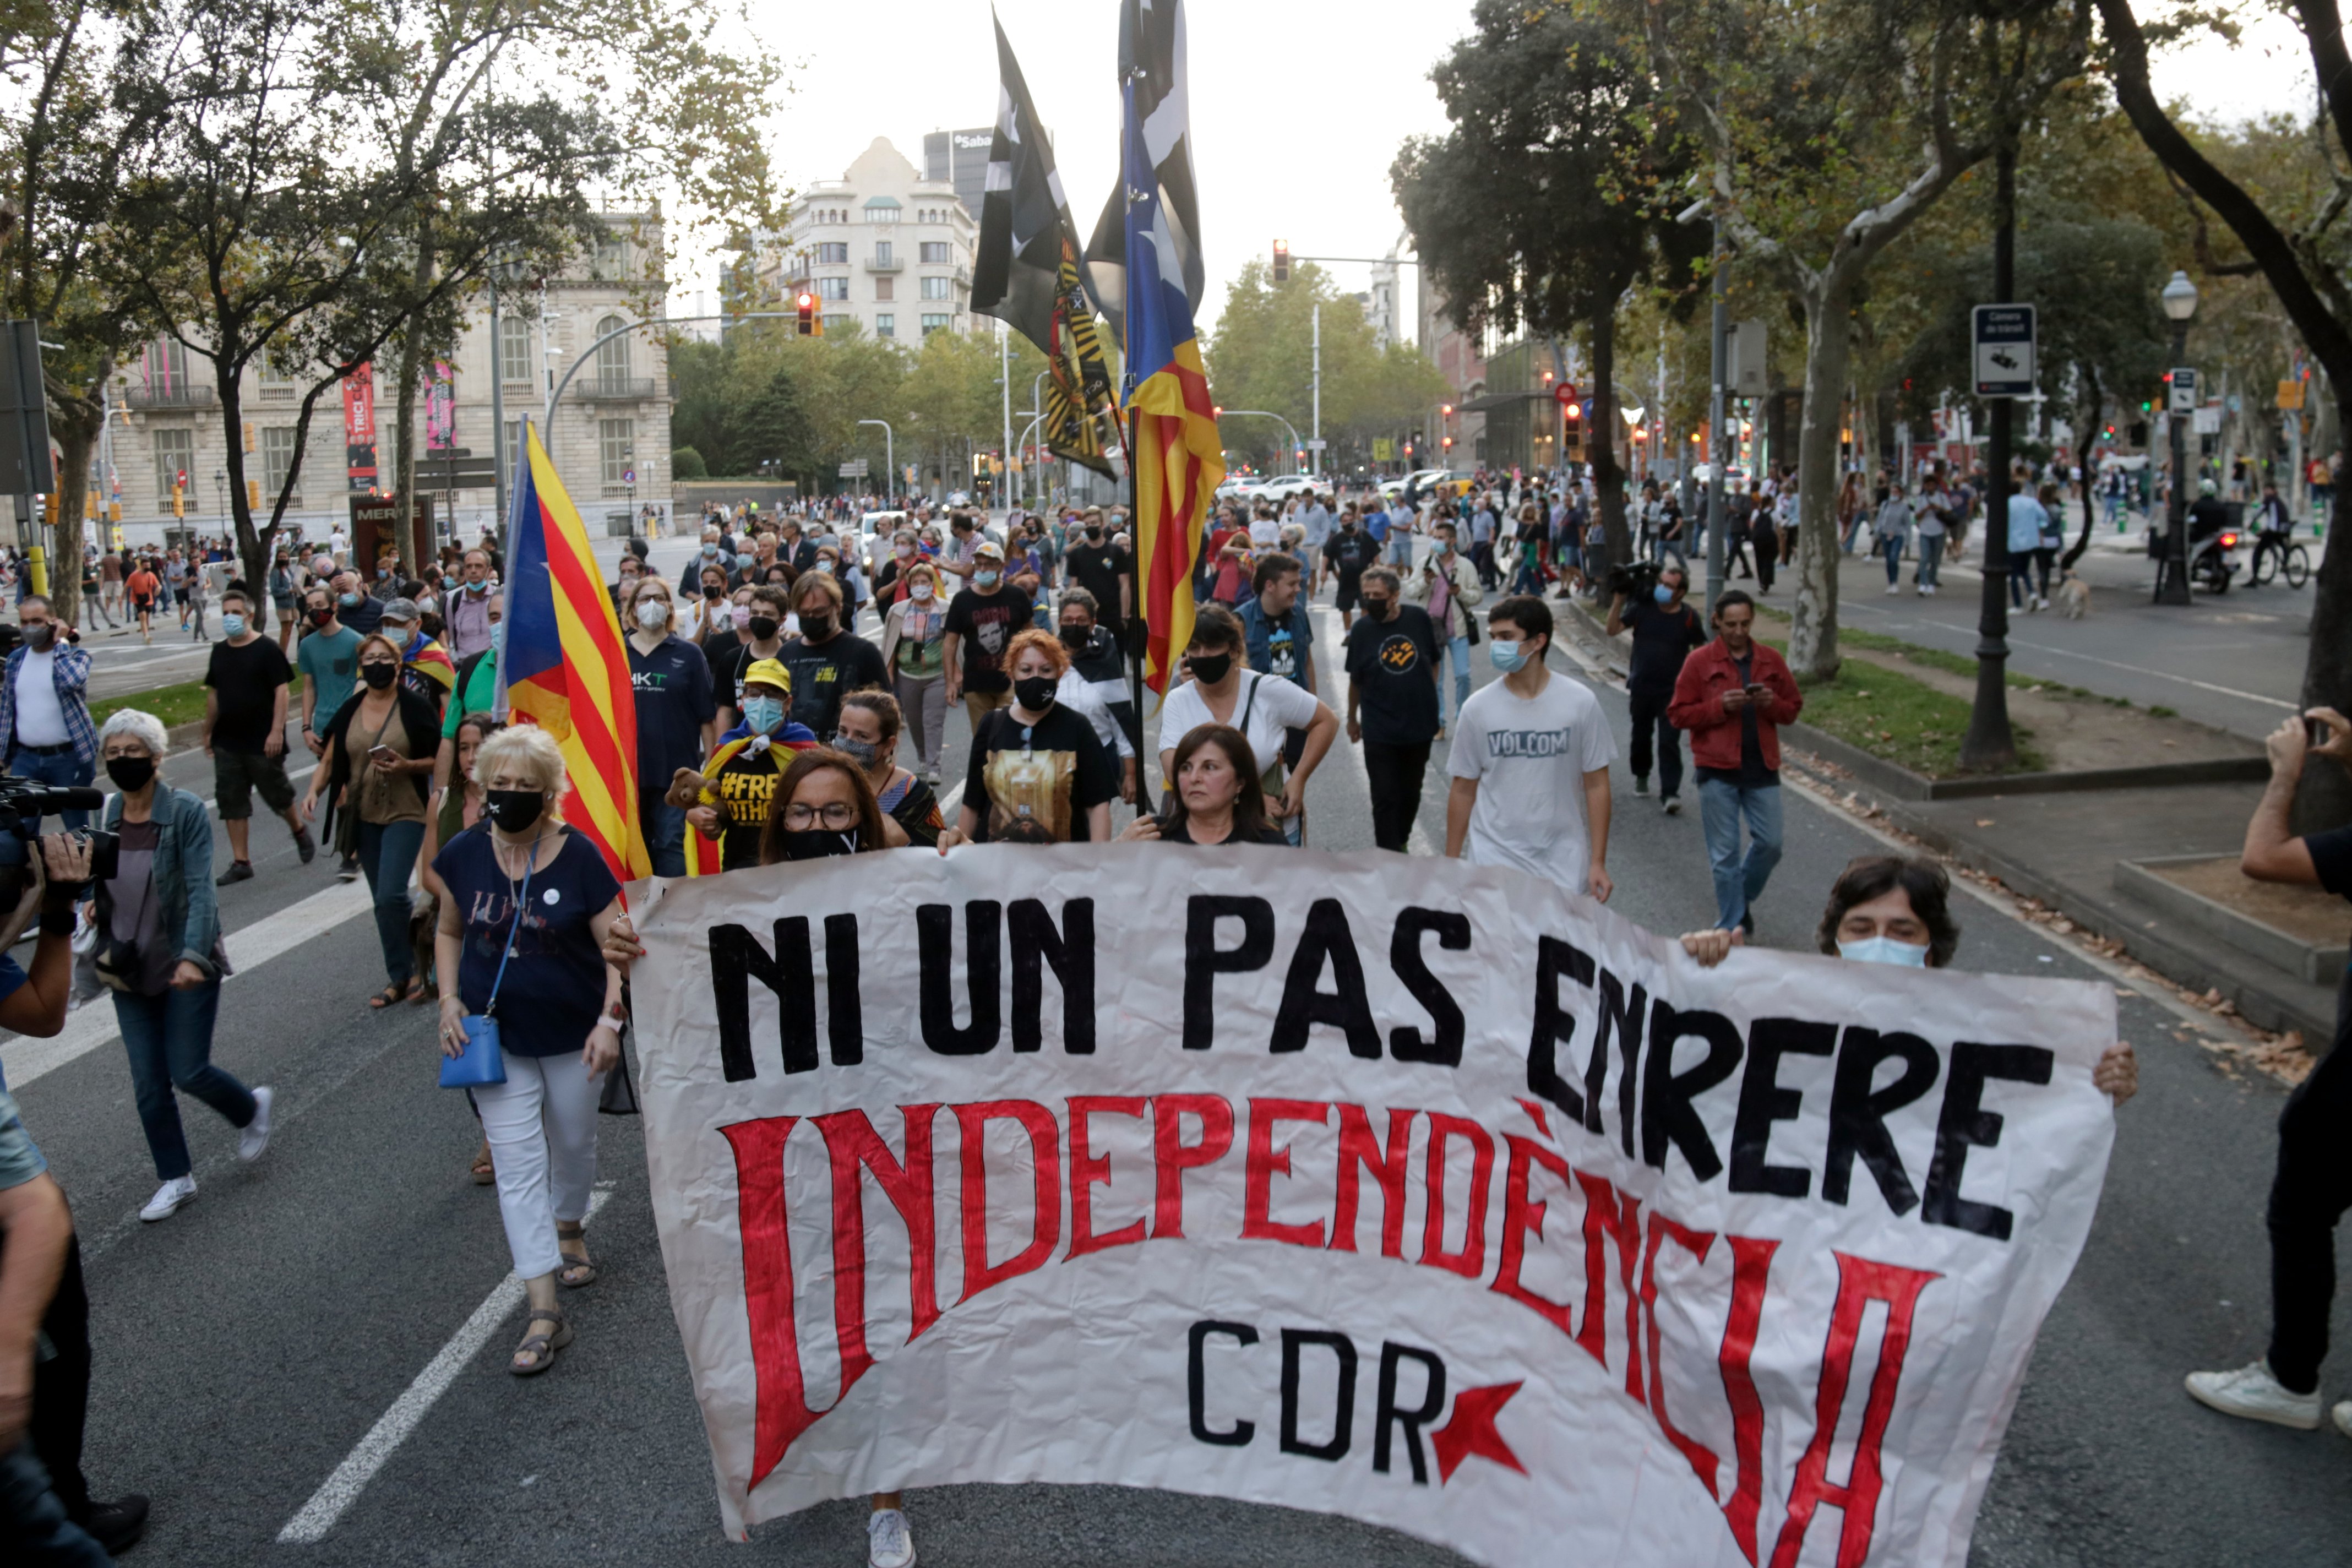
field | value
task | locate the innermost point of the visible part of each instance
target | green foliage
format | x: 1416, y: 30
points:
x: 1892, y: 717
x: 1260, y: 355
x: 685, y: 463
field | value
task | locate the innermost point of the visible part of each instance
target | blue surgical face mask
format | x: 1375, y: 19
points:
x: 232, y: 625
x: 763, y: 713
x: 1663, y: 594
x: 1885, y: 950
x: 349, y: 600
x: 1507, y: 656
x: 499, y: 634
x: 985, y: 580
x: 708, y: 550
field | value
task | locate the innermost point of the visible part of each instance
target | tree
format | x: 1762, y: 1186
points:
x: 1829, y: 132
x: 1261, y: 356
x: 2299, y: 246
x: 1544, y: 204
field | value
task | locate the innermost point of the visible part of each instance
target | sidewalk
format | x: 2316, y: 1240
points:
x: 2084, y: 854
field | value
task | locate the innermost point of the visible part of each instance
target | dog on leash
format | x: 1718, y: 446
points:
x: 2073, y: 597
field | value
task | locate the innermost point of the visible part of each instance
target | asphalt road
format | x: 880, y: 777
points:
x: 248, y: 1347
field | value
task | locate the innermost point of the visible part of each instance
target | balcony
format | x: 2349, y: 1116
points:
x: 964, y: 277
x: 876, y: 264
x: 614, y: 389
x: 170, y: 399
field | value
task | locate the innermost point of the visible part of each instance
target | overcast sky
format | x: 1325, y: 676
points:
x: 1297, y: 110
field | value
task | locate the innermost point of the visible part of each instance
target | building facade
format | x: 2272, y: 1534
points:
x: 883, y: 248
x: 960, y: 158
x: 609, y: 437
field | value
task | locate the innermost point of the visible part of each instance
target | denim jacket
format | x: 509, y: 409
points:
x: 183, y: 875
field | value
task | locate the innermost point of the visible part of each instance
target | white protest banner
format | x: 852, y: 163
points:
x: 1428, y: 1195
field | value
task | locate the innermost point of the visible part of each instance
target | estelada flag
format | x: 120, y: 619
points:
x: 565, y: 665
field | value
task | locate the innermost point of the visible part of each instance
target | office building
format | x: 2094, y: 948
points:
x: 884, y: 247
x: 960, y: 158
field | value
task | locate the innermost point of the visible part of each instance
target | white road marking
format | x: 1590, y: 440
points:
x: 25, y: 1059
x: 343, y: 1489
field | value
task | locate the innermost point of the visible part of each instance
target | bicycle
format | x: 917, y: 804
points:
x: 2277, y: 555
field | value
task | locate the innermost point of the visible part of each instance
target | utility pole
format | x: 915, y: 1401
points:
x: 1004, y: 384
x: 1989, y: 744
x: 1719, y: 328
x: 1315, y: 424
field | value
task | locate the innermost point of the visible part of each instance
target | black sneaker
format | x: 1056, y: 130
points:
x: 1747, y: 921
x: 116, y: 1526
x: 349, y: 871
x: 1641, y: 783
x: 238, y: 871
x: 305, y: 845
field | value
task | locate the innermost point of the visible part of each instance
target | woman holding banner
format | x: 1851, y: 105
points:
x: 1894, y: 908
x: 1218, y: 798
x: 530, y: 903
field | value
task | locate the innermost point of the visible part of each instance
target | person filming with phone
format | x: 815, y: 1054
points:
x: 1732, y: 697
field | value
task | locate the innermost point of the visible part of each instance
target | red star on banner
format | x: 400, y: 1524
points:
x: 1471, y: 1430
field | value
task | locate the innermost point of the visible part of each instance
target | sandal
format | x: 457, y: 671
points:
x: 485, y: 1173
x: 419, y: 992
x: 389, y: 995
x: 540, y: 1348
x: 573, y: 1272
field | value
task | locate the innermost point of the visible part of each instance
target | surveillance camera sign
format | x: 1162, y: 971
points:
x: 2003, y: 340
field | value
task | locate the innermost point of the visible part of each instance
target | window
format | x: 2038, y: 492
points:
x: 840, y: 326
x: 611, y: 356
x: 935, y: 325
x: 833, y: 253
x: 833, y: 288
x: 610, y: 256
x: 514, y: 349
x: 882, y: 252
x: 935, y: 252
x: 167, y: 364
x: 616, y: 444
x: 175, y: 455
x: 882, y: 288
x: 885, y: 325
x: 277, y: 462
x: 274, y: 374
x: 938, y: 289
x: 514, y: 439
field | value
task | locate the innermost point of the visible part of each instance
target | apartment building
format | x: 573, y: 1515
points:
x: 883, y: 248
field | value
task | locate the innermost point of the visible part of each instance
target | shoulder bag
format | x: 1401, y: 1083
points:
x: 483, y: 1062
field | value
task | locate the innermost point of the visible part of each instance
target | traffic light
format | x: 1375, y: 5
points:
x: 1282, y: 261
x: 1448, y: 443
x: 50, y: 508
x: 806, y: 325
x: 1446, y: 409
x: 179, y: 500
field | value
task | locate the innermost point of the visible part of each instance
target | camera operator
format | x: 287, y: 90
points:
x: 1647, y: 600
x: 45, y: 728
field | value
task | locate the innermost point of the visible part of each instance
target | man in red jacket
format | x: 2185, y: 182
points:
x: 1732, y: 696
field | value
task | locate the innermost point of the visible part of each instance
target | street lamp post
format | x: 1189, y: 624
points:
x: 890, y: 461
x: 2180, y: 298
x: 506, y: 269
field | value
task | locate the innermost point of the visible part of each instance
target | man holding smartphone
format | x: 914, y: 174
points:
x: 1733, y: 695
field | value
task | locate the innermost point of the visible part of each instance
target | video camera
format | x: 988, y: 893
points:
x: 1634, y: 579
x: 24, y: 802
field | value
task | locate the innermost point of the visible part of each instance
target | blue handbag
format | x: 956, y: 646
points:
x: 484, y: 1063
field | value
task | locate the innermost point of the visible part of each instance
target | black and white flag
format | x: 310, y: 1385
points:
x: 1151, y: 54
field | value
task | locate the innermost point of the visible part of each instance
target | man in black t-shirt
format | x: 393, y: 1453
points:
x: 2313, y: 1186
x: 1105, y: 571
x: 676, y: 719
x: 827, y: 663
x: 1664, y: 631
x: 245, y: 686
x: 981, y: 620
x: 1392, y: 672
x: 1347, y: 553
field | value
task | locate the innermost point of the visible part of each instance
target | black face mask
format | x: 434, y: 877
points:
x: 320, y: 618
x: 1076, y: 639
x: 514, y: 809
x: 817, y: 842
x: 379, y: 676
x: 1209, y: 668
x: 714, y: 591
x: 131, y: 773
x: 815, y: 628
x: 1093, y: 534
x: 39, y: 637
x: 763, y: 628
x: 1376, y: 608
x: 1036, y: 693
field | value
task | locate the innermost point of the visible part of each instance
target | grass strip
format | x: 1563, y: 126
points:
x: 1900, y: 719
x: 1961, y: 664
x: 175, y: 705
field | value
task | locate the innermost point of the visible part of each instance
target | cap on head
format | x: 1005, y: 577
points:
x: 404, y: 611
x: 768, y: 672
x: 989, y: 550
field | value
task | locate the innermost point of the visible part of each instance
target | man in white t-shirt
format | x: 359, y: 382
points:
x: 1530, y: 762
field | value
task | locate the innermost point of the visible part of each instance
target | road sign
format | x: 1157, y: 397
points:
x: 628, y: 476
x: 2004, y: 340
x: 439, y: 472
x: 2184, y: 398
x: 2290, y: 395
x: 2206, y: 421
x: 1315, y: 443
x: 1383, y: 449
x: 854, y: 470
x: 1744, y: 350
x: 1564, y: 393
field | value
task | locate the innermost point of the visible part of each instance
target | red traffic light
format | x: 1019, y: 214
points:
x: 1282, y: 261
x: 806, y: 325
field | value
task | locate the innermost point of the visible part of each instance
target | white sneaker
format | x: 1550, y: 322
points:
x: 254, y: 1137
x: 168, y: 1198
x: 1892, y: 590
x: 888, y: 1542
x: 2251, y: 1393
x: 2343, y: 1417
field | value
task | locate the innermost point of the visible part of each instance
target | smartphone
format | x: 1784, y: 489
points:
x: 2316, y: 731
x: 377, y: 753
x: 1757, y: 692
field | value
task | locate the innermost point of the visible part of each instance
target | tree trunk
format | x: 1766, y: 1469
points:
x: 76, y: 426
x: 2095, y: 401
x: 1813, y: 625
x: 404, y: 459
x: 1599, y: 424
x: 252, y: 548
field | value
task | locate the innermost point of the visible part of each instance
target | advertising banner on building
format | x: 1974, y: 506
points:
x: 359, y: 429
x: 441, y: 407
x: 1429, y: 1194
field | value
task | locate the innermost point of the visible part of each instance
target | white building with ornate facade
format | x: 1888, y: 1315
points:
x: 609, y: 437
x: 881, y: 247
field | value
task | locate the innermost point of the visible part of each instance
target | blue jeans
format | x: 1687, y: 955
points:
x: 1931, y: 561
x: 63, y: 771
x: 387, y: 850
x: 1893, y: 550
x: 1457, y: 652
x: 32, y: 1517
x: 169, y: 1040
x: 666, y: 838
x: 1737, y: 881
